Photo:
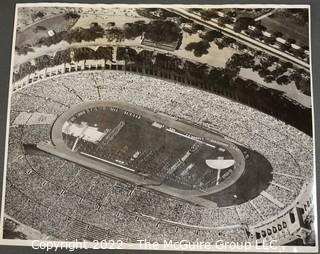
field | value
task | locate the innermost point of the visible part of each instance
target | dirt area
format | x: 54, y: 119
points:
x: 216, y: 57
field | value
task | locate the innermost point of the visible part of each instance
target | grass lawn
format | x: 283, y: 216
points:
x: 288, y: 28
x: 31, y: 36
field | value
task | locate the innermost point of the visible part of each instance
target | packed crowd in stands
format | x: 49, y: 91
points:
x: 247, y: 213
x: 74, y: 203
x: 266, y: 207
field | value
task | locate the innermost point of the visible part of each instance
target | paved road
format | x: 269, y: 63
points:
x: 243, y: 38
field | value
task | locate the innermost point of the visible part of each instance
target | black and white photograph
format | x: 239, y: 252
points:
x: 171, y: 127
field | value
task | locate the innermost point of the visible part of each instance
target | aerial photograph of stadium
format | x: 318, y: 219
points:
x: 160, y: 123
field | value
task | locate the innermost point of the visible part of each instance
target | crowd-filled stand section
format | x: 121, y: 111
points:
x: 64, y: 196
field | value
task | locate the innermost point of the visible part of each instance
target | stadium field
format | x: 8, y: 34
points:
x: 155, y: 151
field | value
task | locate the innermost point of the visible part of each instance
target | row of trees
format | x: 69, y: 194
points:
x: 41, y: 63
x: 74, y: 35
x: 246, y: 60
x: 200, y: 71
x: 80, y: 54
x: 279, y: 74
x: 157, y: 31
x: 61, y: 57
x: 226, y: 81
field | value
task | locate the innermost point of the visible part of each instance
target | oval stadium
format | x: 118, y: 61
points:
x: 138, y: 145
x: 74, y: 201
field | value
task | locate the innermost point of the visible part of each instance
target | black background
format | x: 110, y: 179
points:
x: 7, y: 12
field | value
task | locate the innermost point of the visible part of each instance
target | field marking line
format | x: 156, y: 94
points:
x: 75, y: 144
x: 186, y: 136
x: 115, y: 164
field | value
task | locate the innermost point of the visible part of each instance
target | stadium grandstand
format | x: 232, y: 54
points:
x: 67, y: 199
